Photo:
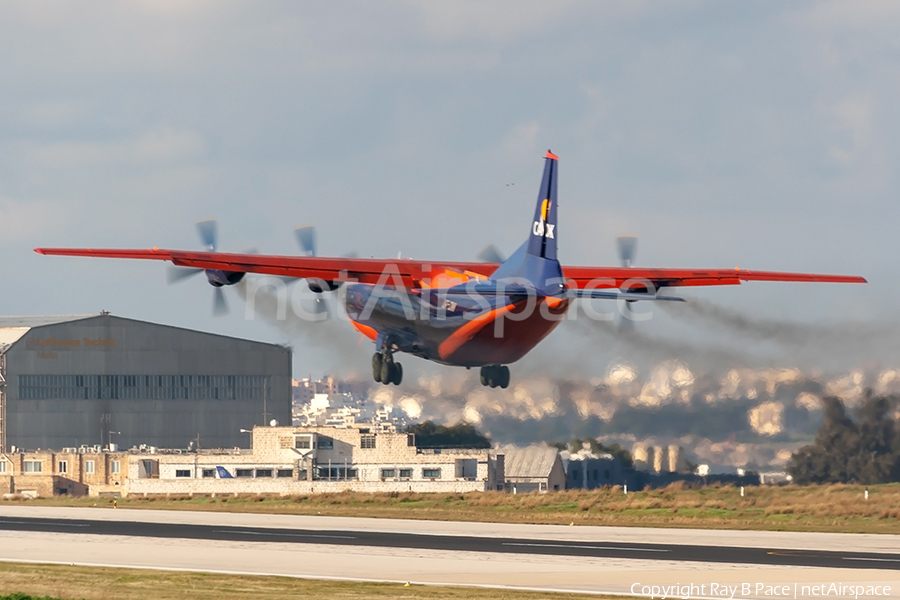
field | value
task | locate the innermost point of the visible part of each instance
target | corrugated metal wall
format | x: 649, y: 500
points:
x: 204, y: 384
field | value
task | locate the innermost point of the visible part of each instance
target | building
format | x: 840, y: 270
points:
x: 589, y: 471
x: 284, y: 461
x: 533, y: 468
x: 73, y: 472
x: 304, y: 460
x: 107, y: 381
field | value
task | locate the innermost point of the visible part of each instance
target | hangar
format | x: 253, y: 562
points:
x: 107, y: 381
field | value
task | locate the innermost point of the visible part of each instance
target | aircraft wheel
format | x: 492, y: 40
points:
x: 397, y: 375
x: 504, y: 377
x: 387, y: 370
x: 376, y: 366
x: 483, y: 377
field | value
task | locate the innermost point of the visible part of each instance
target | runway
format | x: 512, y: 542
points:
x: 460, y: 543
x: 578, y: 559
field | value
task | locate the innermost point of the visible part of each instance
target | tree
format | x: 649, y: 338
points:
x: 866, y: 450
x: 461, y: 435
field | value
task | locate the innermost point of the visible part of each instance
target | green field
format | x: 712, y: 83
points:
x: 836, y: 508
x: 98, y: 583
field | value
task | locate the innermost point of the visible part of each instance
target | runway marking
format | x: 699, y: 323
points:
x: 46, y: 523
x: 316, y: 576
x: 273, y: 534
x: 878, y: 559
x: 533, y: 545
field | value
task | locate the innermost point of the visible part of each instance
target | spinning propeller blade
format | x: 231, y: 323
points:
x: 208, y: 230
x: 220, y: 306
x: 627, y: 245
x: 306, y: 237
x: 175, y: 274
x: 490, y: 254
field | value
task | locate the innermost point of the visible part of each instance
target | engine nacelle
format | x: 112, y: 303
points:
x: 320, y: 286
x: 219, y: 278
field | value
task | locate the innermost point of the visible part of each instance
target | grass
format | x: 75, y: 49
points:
x: 18, y: 596
x: 832, y: 508
x: 100, y: 583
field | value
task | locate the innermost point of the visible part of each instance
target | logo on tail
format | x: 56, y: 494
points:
x: 541, y: 228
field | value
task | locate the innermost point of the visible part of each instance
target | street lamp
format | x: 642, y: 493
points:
x: 250, y: 431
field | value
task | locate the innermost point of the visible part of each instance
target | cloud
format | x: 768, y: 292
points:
x: 865, y: 17
x: 50, y: 115
x: 495, y: 22
x: 159, y: 147
x: 852, y: 117
x: 521, y: 143
x: 24, y: 221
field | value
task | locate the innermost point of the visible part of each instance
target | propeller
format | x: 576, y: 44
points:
x: 490, y: 254
x: 627, y: 245
x: 175, y: 274
x: 207, y: 229
x: 220, y: 306
x: 306, y: 239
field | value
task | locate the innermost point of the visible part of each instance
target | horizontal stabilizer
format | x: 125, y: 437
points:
x: 488, y: 289
x: 617, y: 295
x: 493, y: 288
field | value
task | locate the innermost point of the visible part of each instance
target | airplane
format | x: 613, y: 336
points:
x: 467, y: 314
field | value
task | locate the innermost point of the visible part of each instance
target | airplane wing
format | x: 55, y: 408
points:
x: 632, y: 277
x: 363, y: 270
x: 409, y: 272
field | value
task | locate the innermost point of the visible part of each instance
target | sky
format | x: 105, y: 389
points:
x: 744, y: 134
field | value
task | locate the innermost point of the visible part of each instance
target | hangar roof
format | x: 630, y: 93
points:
x: 14, y: 327
x: 532, y: 461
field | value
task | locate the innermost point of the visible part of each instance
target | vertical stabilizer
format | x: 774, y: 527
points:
x: 542, y: 241
x: 535, y: 261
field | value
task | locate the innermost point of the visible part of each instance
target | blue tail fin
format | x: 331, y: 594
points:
x: 223, y: 474
x: 535, y: 261
x: 543, y: 229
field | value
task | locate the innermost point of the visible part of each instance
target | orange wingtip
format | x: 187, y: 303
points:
x: 551, y: 155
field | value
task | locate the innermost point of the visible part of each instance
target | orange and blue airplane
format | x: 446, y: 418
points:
x: 467, y: 314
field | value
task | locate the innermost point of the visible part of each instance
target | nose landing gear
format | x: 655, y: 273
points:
x: 495, y: 376
x: 385, y: 370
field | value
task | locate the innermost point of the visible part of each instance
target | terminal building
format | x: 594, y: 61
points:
x: 102, y: 381
x: 283, y: 461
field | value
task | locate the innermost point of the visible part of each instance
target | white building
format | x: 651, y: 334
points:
x: 304, y: 460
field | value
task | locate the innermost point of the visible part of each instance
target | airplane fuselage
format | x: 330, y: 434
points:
x: 454, y: 328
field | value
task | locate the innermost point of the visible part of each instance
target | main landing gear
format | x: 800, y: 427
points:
x: 385, y: 370
x: 495, y: 376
